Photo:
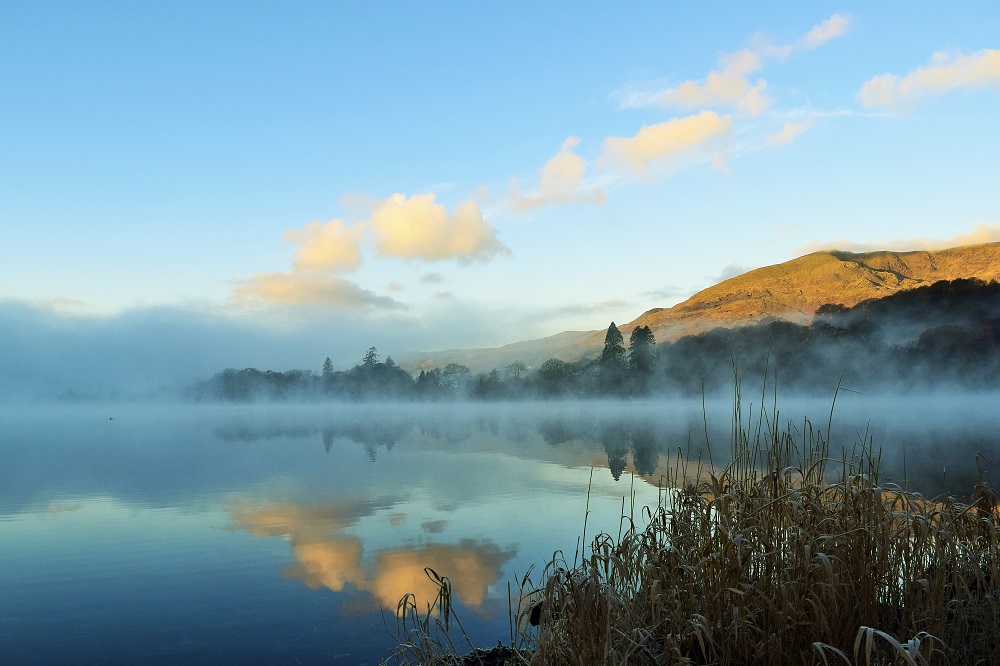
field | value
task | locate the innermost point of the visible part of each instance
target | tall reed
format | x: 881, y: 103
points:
x: 784, y: 556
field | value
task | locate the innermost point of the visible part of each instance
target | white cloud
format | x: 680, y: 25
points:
x: 560, y: 182
x: 981, y: 233
x: 670, y: 291
x: 669, y: 141
x: 731, y: 271
x: 947, y: 72
x: 420, y: 228
x: 788, y: 132
x: 62, y: 302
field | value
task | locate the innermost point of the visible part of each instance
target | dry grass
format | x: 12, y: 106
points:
x: 782, y: 557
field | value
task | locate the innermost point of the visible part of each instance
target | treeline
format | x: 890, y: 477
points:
x: 944, y: 334
x: 620, y: 371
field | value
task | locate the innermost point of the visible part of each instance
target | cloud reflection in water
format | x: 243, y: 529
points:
x: 324, y: 557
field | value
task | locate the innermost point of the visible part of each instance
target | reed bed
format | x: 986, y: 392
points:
x: 784, y: 556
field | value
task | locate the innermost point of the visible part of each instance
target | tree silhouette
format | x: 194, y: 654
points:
x: 613, y: 365
x: 614, y: 437
x: 457, y: 377
x: 641, y: 357
x: 556, y: 376
x: 515, y: 371
x: 328, y: 376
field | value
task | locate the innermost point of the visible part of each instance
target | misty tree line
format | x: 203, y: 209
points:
x: 624, y: 441
x: 944, y: 334
x: 619, y: 371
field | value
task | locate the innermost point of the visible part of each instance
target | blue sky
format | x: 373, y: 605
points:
x: 461, y: 174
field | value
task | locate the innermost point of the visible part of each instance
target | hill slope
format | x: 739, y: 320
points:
x: 791, y: 290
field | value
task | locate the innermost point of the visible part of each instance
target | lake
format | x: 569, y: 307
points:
x: 288, y: 533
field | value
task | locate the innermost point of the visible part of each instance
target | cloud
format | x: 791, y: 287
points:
x: 400, y: 227
x: 308, y: 288
x: 283, y: 518
x: 559, y: 183
x: 729, y: 84
x: 981, y: 233
x: 589, y: 308
x: 433, y: 526
x: 419, y: 228
x: 471, y: 566
x: 432, y: 278
x: 61, y: 302
x: 723, y: 87
x: 324, y: 557
x: 788, y: 132
x: 668, y: 141
x: 396, y: 286
x: 333, y: 246
x: 835, y: 26
x: 946, y: 72
x: 730, y: 271
x: 333, y: 563
x: 669, y: 291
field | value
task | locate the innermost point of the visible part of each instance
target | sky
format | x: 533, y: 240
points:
x: 266, y: 183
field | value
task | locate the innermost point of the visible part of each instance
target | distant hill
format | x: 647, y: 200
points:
x: 792, y: 290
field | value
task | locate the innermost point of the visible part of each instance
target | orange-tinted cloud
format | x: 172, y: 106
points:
x: 669, y: 141
x: 729, y: 85
x: 470, y: 566
x: 420, y: 228
x: 981, y: 233
x: 284, y: 518
x: 308, y: 288
x: 560, y: 182
x: 788, y: 132
x: 332, y: 246
x: 333, y: 563
x: 324, y: 557
x: 947, y: 72
x: 835, y: 26
x: 405, y: 228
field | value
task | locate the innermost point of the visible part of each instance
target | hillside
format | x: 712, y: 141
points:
x: 792, y: 290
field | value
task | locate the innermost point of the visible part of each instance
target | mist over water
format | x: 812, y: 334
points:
x: 169, y: 532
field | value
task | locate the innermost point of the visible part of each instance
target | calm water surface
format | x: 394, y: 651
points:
x: 289, y: 533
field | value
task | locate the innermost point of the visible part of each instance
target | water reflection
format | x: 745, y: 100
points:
x: 290, y: 525
x: 326, y: 557
x: 930, y: 444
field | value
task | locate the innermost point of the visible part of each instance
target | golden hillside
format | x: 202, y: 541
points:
x: 795, y: 289
x: 791, y: 290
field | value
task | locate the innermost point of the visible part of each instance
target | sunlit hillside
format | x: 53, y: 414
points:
x: 791, y: 290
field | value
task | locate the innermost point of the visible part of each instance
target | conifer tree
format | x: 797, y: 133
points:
x: 613, y: 365
x: 641, y: 350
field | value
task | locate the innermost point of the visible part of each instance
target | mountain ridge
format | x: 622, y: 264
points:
x: 791, y: 290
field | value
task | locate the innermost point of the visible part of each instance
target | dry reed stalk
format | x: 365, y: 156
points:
x: 773, y: 560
